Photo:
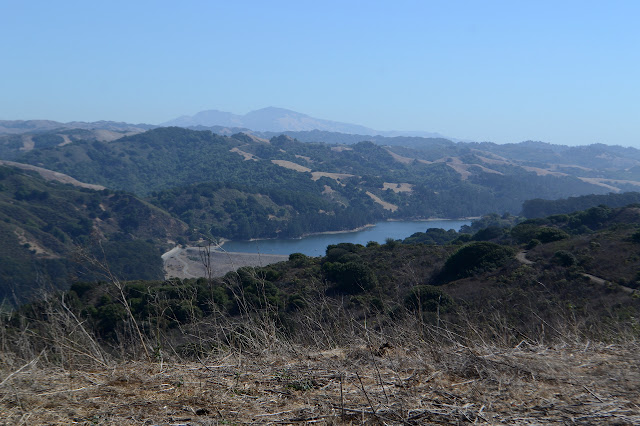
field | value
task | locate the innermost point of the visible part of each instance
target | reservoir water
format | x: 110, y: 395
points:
x: 316, y: 245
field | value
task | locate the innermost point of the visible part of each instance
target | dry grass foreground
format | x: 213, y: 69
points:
x: 421, y: 384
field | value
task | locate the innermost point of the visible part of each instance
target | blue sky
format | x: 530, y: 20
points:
x: 565, y: 72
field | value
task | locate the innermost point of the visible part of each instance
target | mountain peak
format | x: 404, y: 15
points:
x: 269, y: 119
x: 275, y: 119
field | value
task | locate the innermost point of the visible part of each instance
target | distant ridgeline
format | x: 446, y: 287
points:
x: 242, y: 186
x: 541, y: 208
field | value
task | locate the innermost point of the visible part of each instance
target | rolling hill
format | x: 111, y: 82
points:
x: 310, y: 187
x: 50, y: 229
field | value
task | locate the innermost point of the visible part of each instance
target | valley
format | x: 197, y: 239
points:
x: 248, y: 185
x: 106, y: 265
x: 320, y: 213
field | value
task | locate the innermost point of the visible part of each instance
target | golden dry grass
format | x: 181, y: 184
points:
x: 291, y: 165
x: 384, y: 204
x: 418, y: 384
x: 51, y: 175
x: 247, y: 156
x: 398, y: 187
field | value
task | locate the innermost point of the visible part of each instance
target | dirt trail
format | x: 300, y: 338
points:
x: 522, y: 257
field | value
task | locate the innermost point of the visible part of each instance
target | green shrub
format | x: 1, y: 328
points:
x: 489, y: 233
x: 474, y: 258
x: 427, y: 298
x: 524, y: 231
x: 350, y: 277
x: 548, y: 235
x: 533, y: 243
x: 298, y: 259
x: 390, y: 243
x: 334, y: 254
x: 564, y: 258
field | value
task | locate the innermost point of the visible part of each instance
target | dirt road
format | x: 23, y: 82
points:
x: 522, y: 257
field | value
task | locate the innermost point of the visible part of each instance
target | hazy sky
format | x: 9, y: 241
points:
x: 565, y: 72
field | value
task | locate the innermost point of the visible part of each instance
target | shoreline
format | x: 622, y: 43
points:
x: 346, y: 231
x: 433, y: 219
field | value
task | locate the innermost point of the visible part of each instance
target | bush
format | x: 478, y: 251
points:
x: 490, y: 233
x: 350, y: 277
x: 474, y: 258
x: 524, y: 231
x: 298, y: 259
x: 334, y: 254
x: 548, y: 235
x: 533, y: 243
x: 564, y: 258
x: 427, y: 298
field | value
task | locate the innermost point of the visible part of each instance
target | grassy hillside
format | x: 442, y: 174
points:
x: 15, y: 145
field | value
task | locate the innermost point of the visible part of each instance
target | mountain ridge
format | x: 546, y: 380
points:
x: 16, y: 127
x: 274, y: 119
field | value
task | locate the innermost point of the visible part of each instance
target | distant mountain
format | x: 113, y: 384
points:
x: 273, y: 119
x: 270, y: 119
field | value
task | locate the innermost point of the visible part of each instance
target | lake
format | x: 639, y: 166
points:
x: 316, y: 245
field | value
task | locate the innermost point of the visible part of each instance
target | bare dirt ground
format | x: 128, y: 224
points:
x: 335, y: 176
x: 291, y: 165
x: 522, y: 257
x: 187, y: 262
x: 586, y: 385
x: 66, y: 140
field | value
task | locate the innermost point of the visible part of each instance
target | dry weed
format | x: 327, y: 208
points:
x: 587, y: 384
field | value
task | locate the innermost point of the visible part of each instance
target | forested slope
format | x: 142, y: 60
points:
x: 44, y: 224
x: 296, y: 187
